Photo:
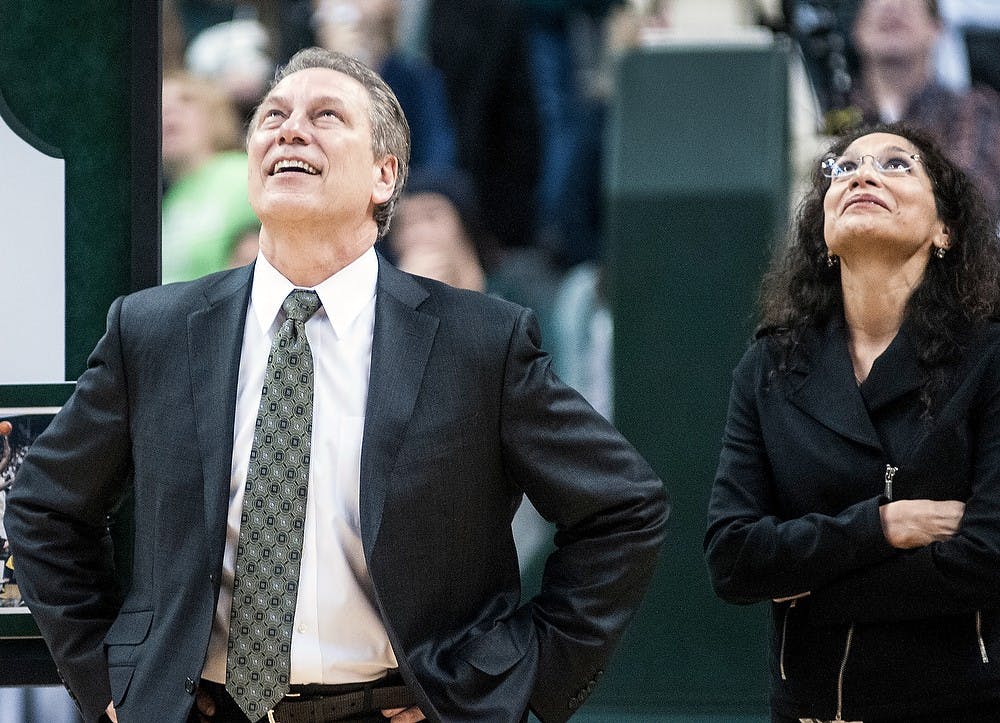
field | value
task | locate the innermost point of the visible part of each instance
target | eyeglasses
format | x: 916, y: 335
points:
x: 844, y: 167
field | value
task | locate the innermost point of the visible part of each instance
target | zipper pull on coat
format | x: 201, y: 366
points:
x: 890, y: 472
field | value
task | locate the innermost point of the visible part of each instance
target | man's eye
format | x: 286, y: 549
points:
x: 273, y: 113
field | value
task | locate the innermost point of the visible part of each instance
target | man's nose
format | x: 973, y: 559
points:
x: 293, y: 129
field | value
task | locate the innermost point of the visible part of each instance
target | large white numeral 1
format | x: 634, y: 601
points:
x: 32, y: 258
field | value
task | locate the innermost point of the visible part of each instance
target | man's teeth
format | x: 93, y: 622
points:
x: 294, y: 166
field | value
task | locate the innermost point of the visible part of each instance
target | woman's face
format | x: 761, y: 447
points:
x: 186, y: 125
x: 898, y: 31
x: 889, y: 215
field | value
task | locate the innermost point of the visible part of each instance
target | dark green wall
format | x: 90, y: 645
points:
x: 696, y: 194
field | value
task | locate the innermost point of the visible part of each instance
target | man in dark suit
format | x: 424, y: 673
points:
x: 430, y: 411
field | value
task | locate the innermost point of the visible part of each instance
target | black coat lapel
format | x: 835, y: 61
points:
x: 215, y: 340
x: 827, y: 390
x: 400, y: 348
x: 895, y: 373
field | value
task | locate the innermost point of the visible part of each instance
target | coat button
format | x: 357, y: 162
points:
x: 189, y: 686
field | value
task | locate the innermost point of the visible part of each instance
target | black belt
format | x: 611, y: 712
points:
x: 325, y: 703
x: 313, y: 704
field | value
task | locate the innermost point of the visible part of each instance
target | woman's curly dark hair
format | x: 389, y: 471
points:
x: 960, y: 291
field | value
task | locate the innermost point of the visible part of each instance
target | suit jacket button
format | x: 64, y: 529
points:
x: 189, y: 686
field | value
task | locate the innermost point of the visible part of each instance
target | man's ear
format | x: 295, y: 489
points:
x: 384, y: 174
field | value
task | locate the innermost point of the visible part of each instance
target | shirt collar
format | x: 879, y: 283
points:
x: 343, y: 295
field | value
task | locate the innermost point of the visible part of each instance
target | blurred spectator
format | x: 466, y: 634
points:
x: 205, y: 201
x: 437, y: 231
x: 246, y: 246
x: 971, y: 51
x: 565, y: 51
x: 235, y: 43
x: 412, y: 32
x: 5, y: 457
x: 822, y: 29
x: 582, y: 340
x: 895, y: 41
x: 479, y: 46
x: 368, y: 30
x: 290, y: 25
x: 172, y: 37
x: 654, y: 14
x: 234, y: 55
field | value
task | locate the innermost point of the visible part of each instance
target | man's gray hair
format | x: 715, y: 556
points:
x: 390, y: 131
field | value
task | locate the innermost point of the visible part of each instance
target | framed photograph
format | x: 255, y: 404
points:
x: 19, y: 427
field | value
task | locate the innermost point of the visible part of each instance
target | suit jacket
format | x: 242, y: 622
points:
x: 463, y: 416
x: 795, y: 509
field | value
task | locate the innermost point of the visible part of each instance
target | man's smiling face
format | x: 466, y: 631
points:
x: 310, y: 151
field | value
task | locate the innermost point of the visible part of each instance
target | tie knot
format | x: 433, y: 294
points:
x: 301, y: 304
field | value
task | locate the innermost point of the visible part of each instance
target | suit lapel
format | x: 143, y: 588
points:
x: 827, y: 391
x: 400, y: 348
x: 215, y: 340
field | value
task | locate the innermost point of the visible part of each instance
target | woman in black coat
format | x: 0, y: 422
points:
x: 858, y: 486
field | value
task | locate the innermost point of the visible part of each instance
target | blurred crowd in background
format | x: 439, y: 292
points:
x: 507, y: 102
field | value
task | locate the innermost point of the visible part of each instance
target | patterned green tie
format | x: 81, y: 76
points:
x: 258, y: 666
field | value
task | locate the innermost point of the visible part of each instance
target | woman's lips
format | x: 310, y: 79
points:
x: 866, y: 198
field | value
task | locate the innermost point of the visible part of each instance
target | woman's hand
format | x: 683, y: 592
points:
x: 915, y: 523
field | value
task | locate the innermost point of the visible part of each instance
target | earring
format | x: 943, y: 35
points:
x: 940, y: 251
x: 832, y: 260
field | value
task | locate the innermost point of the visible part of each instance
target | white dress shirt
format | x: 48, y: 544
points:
x: 338, y: 636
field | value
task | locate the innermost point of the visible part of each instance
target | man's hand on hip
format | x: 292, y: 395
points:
x: 404, y: 715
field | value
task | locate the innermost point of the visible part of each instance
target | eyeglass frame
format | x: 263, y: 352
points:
x: 830, y: 161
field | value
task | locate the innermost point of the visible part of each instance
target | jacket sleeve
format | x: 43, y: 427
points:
x: 959, y: 575
x: 57, y: 517
x: 753, y: 553
x: 609, y: 508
